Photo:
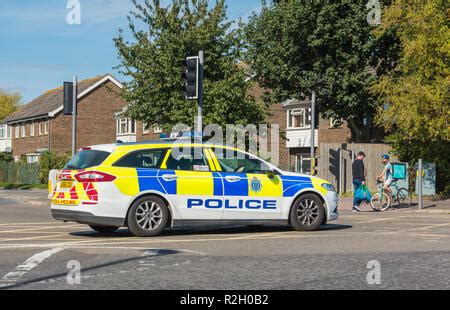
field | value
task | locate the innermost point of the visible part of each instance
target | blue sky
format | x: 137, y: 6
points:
x: 39, y: 50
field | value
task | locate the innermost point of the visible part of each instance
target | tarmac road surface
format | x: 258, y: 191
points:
x: 412, y: 249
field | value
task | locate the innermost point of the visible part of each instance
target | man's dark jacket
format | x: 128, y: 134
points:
x: 358, y: 170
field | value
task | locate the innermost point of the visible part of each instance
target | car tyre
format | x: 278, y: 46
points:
x: 307, y: 213
x: 104, y: 229
x: 147, y: 217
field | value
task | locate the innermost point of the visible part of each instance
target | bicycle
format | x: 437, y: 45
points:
x: 382, y: 201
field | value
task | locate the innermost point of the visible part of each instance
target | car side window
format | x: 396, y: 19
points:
x: 146, y: 159
x: 189, y: 160
x: 239, y: 162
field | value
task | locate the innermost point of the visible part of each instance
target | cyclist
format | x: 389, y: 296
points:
x: 387, y: 176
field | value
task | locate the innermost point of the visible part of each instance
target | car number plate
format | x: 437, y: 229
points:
x: 66, y: 185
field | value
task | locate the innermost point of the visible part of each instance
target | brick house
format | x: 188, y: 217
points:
x: 294, y: 120
x: 41, y: 125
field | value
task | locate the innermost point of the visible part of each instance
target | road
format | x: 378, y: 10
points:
x: 413, y: 251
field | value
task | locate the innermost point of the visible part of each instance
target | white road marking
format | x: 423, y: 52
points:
x: 35, y: 229
x: 31, y: 263
x: 31, y: 223
x: 151, y: 252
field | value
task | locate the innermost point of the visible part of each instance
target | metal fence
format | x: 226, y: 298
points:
x: 19, y: 173
x: 335, y: 163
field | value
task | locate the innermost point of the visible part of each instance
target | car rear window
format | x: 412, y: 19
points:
x: 87, y: 159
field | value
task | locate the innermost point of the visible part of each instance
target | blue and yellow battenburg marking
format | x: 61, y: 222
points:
x: 213, y: 184
x: 131, y: 181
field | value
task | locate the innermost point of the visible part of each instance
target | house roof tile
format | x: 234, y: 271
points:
x: 48, y: 102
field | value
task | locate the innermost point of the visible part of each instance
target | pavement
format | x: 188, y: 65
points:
x: 368, y: 250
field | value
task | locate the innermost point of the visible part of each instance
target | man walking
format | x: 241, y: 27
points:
x: 359, y: 178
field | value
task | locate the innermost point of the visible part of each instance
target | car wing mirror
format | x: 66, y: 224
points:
x: 271, y: 174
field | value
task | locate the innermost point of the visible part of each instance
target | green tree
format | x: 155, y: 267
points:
x: 296, y: 47
x: 415, y: 92
x: 8, y: 103
x: 153, y: 62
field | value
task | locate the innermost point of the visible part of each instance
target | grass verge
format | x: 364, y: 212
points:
x: 22, y: 186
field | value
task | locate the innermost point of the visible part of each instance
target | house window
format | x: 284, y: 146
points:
x: 303, y: 164
x: 46, y: 128
x: 32, y: 158
x: 32, y: 130
x: 2, y: 131
x: 145, y: 129
x: 23, y: 130
x: 16, y: 133
x: 299, y: 118
x: 8, y: 131
x: 157, y: 129
x: 335, y: 122
x: 40, y: 129
x: 126, y: 126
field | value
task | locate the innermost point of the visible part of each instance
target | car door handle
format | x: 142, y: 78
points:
x: 169, y: 177
x: 233, y: 179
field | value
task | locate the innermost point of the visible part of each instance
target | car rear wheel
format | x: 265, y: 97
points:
x: 104, y: 229
x: 307, y: 213
x: 148, y: 216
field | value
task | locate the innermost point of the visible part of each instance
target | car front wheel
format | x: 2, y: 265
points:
x: 148, y: 216
x: 307, y: 213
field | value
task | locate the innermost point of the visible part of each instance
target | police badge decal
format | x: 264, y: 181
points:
x: 256, y: 185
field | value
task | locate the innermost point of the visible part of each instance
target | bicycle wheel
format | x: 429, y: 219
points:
x: 382, y: 204
x: 402, y: 197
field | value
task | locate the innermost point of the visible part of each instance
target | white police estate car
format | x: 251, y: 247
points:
x: 150, y: 186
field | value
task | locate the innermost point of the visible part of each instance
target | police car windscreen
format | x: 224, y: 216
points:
x: 87, y: 159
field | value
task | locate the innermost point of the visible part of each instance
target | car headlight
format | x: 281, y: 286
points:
x: 329, y: 187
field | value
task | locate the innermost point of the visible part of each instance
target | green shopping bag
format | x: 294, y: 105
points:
x: 363, y: 194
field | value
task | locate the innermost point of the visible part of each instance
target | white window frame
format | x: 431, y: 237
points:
x: 299, y: 158
x: 157, y: 129
x: 23, y: 131
x: 2, y: 131
x: 129, y: 124
x: 145, y: 129
x: 335, y: 123
x: 17, y: 131
x: 291, y: 113
x: 32, y: 130
x: 33, y: 158
x: 46, y: 128
x: 40, y: 128
x: 8, y: 131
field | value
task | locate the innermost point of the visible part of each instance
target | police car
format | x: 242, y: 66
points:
x: 151, y: 186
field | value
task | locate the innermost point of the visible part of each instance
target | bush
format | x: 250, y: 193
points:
x: 50, y: 161
x: 6, y: 157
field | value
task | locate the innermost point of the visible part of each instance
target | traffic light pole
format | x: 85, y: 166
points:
x: 74, y: 117
x: 199, y: 130
x: 313, y: 133
x: 420, y: 184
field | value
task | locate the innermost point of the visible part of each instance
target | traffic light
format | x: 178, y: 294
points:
x: 191, y: 77
x: 68, y: 98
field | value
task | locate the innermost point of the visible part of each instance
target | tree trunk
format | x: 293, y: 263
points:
x: 357, y: 131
